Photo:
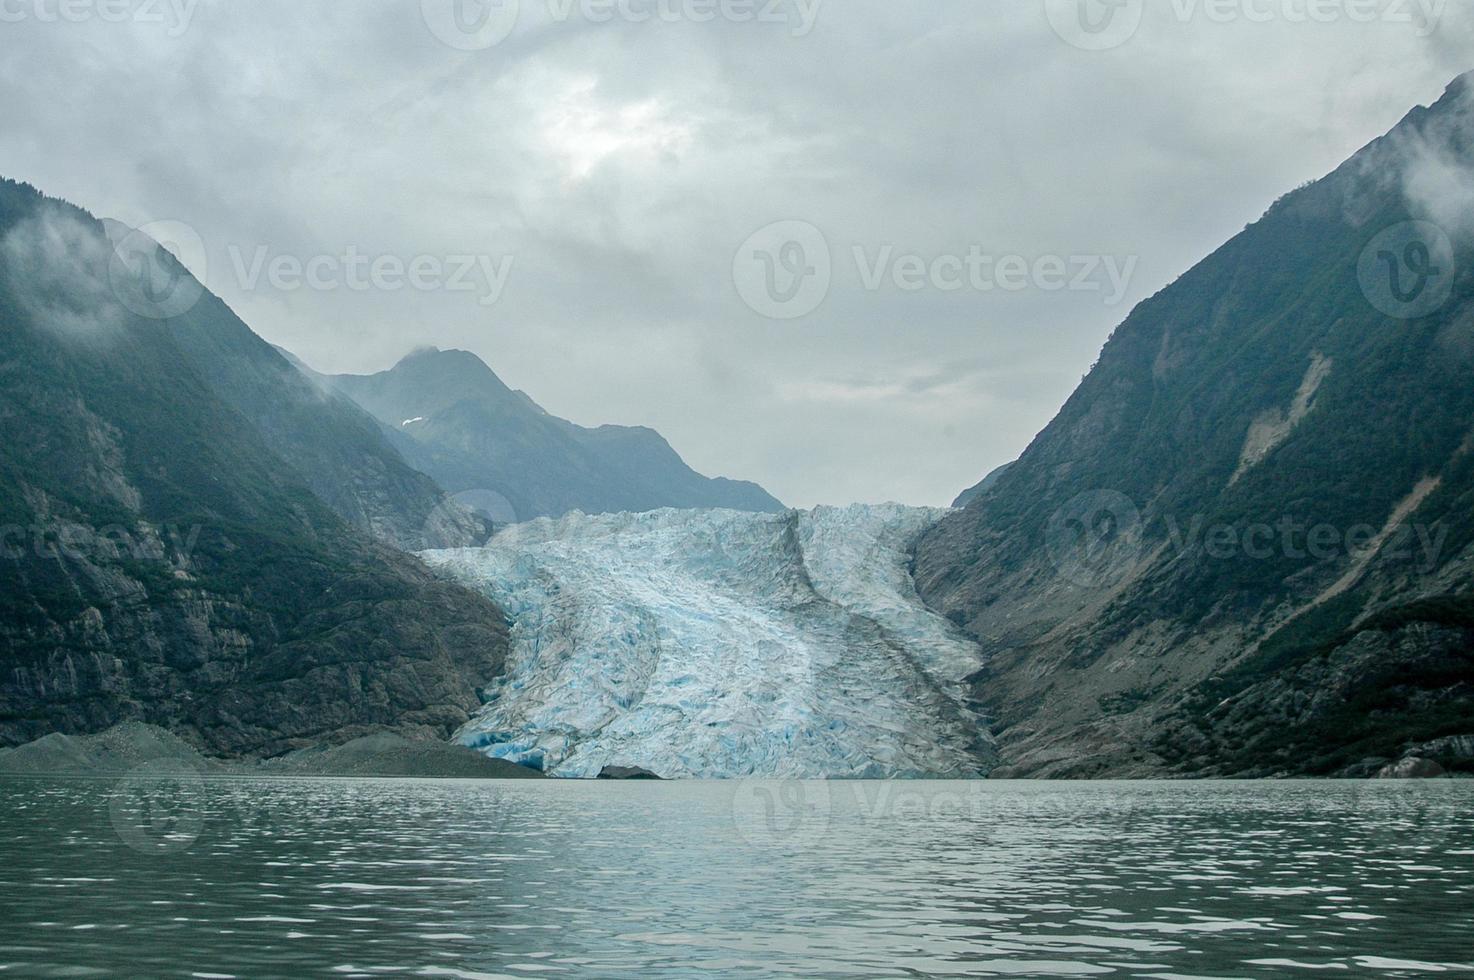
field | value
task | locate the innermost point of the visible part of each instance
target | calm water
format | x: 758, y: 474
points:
x: 236, y: 877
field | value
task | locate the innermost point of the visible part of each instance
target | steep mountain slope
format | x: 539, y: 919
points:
x: 718, y: 644
x: 334, y: 446
x: 459, y: 423
x: 984, y: 485
x: 1246, y: 544
x: 158, y: 561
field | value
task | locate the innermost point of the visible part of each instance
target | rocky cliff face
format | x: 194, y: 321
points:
x: 159, y: 559
x: 1246, y: 544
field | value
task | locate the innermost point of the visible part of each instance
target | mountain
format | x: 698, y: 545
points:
x: 981, y: 487
x: 455, y: 420
x: 1246, y: 544
x: 332, y: 445
x: 163, y: 555
x: 722, y: 644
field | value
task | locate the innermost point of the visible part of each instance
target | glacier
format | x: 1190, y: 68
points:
x: 720, y: 644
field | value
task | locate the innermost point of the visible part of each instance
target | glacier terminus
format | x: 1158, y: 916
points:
x: 720, y: 644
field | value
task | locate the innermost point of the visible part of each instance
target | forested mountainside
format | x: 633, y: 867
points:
x: 1246, y: 543
x: 165, y: 555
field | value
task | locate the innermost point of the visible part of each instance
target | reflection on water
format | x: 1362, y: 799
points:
x: 247, y: 877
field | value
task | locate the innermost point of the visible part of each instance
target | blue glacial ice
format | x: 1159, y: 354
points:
x: 723, y: 644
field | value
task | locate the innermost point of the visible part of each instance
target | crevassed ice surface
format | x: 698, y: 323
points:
x: 723, y: 644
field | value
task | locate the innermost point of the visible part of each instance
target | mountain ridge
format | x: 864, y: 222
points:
x: 1267, y: 388
x: 453, y: 418
x: 159, y: 561
x: 334, y: 446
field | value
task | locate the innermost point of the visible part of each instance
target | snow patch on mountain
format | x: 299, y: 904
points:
x: 723, y: 644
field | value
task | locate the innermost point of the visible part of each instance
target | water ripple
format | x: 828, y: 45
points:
x: 394, y: 878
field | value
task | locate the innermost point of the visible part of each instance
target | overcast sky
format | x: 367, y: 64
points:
x: 583, y: 197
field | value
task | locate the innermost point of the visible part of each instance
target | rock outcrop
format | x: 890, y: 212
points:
x: 1411, y: 768
x: 626, y: 772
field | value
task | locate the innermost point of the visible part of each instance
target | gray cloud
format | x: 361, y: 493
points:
x: 622, y: 165
x: 56, y: 265
x: 1436, y: 178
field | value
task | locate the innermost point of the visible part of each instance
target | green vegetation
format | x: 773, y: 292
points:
x: 266, y: 620
x: 1164, y: 419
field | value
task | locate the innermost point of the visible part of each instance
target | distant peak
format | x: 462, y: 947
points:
x: 439, y: 372
x: 1457, y: 98
x: 1457, y: 92
x: 431, y: 353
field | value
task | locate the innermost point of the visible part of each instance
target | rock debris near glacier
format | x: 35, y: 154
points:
x: 723, y: 644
